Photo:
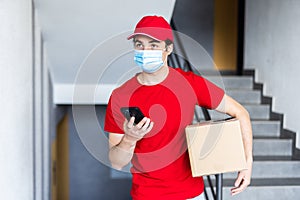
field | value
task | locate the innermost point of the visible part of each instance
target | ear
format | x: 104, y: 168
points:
x: 169, y: 49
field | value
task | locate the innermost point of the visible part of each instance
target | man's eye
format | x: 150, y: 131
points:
x: 154, y: 46
x: 138, y: 45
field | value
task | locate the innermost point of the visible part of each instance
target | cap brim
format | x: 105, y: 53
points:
x: 145, y: 34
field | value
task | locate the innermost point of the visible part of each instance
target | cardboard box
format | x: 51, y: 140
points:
x: 215, y: 147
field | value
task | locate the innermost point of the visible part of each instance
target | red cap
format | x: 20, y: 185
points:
x: 155, y: 27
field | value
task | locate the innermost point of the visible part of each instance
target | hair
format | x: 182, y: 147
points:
x: 167, y: 41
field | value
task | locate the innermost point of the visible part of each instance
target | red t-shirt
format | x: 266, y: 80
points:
x: 160, y: 164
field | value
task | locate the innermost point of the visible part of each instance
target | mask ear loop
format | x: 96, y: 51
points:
x: 167, y: 49
x: 166, y: 59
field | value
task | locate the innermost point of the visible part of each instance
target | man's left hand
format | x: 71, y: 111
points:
x: 243, y: 180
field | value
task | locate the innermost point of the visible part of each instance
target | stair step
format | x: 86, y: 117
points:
x: 266, y: 182
x: 245, y: 96
x: 272, y: 158
x: 263, y: 128
x: 260, y: 128
x: 230, y: 82
x: 266, y: 188
x: 272, y: 147
x: 258, y: 111
x: 271, y: 169
x: 265, y: 193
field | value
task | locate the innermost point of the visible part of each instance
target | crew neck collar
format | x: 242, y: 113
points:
x: 140, y: 82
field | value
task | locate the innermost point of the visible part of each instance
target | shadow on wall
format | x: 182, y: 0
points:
x: 195, y: 18
x: 89, y: 178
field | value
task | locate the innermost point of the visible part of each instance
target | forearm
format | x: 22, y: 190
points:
x: 234, y: 109
x: 244, y: 118
x: 122, y: 148
x: 121, y: 154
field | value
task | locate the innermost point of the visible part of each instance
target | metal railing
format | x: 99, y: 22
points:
x: 178, y: 62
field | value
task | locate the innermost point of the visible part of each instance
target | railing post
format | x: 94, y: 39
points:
x: 219, y: 186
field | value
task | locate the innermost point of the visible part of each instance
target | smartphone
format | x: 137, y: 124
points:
x: 129, y: 112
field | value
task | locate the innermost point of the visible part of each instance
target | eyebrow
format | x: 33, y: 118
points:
x: 152, y: 41
x: 135, y: 41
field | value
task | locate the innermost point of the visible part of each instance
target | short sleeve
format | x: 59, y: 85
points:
x: 208, y: 94
x: 113, y: 119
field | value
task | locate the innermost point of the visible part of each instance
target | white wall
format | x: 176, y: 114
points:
x: 272, y: 47
x: 16, y: 116
x: 73, y: 29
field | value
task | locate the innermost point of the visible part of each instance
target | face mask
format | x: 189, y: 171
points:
x: 149, y: 60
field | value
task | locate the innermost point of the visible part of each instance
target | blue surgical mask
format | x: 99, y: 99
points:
x: 149, y: 60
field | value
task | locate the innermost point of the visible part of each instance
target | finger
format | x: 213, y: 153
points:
x: 240, y: 188
x: 146, y: 125
x: 237, y: 191
x: 150, y: 127
x: 238, y: 180
x: 131, y: 122
x: 141, y: 123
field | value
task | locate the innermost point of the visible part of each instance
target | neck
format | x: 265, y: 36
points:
x: 153, y: 78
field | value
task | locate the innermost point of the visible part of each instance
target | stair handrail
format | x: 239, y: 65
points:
x: 175, y: 60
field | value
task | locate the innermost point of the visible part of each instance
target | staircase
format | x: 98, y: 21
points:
x: 276, y: 175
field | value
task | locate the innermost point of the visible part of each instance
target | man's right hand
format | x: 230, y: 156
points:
x: 134, y: 133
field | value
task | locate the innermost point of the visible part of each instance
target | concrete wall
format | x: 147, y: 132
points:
x: 272, y: 47
x: 16, y: 97
x: 72, y: 29
x: 28, y: 116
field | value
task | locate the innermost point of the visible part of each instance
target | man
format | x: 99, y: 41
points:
x: 156, y: 146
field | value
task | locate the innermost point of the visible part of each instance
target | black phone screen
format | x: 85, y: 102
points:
x: 129, y: 112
